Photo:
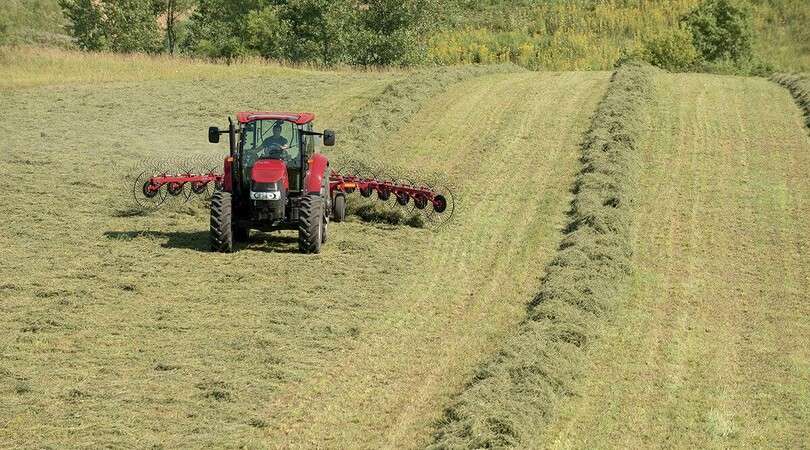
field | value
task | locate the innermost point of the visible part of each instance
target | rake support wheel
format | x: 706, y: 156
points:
x: 339, y: 208
x: 221, y: 230
x: 311, y: 224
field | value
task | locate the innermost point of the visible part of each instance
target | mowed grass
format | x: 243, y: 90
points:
x: 124, y: 330
x: 712, y: 347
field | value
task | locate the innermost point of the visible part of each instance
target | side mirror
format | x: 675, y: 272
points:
x: 328, y: 138
x: 213, y: 135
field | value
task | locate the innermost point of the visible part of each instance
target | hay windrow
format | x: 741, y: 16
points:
x: 799, y: 87
x: 516, y: 392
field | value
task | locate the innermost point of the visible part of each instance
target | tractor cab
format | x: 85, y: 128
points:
x: 266, y: 146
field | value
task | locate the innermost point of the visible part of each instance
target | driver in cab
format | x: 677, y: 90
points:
x: 276, y: 145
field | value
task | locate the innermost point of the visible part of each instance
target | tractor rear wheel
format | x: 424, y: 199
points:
x: 221, y: 230
x: 339, y: 208
x: 310, y: 224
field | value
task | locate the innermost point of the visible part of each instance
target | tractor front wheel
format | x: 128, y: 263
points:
x: 221, y: 230
x: 311, y: 224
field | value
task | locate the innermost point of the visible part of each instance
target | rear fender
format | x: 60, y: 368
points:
x: 317, y: 177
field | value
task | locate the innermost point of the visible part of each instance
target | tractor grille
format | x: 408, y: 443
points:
x: 265, y: 187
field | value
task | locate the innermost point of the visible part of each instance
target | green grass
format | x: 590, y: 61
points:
x: 709, y: 348
x: 122, y: 330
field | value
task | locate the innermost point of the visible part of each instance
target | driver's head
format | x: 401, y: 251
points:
x: 277, y: 129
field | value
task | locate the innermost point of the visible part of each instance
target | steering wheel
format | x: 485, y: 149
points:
x: 275, y: 152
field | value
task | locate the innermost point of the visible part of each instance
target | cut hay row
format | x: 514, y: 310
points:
x: 799, y: 87
x: 512, y: 397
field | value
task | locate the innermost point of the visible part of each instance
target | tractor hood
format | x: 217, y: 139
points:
x: 270, y: 171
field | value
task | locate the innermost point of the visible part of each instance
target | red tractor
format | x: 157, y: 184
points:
x: 273, y: 179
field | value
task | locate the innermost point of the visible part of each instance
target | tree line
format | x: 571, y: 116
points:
x: 715, y: 35
x: 359, y: 32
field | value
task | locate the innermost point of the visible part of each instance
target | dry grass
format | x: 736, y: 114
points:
x: 27, y: 66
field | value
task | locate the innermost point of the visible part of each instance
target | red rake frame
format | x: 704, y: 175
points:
x: 404, y: 193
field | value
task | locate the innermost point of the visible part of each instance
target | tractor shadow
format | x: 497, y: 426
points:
x: 271, y: 243
x: 192, y: 240
x: 198, y: 240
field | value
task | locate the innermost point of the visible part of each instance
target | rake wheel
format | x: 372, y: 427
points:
x: 145, y: 198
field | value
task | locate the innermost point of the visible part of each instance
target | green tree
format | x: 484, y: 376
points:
x: 116, y: 25
x: 85, y: 23
x: 721, y: 30
x: 393, y: 31
x: 131, y: 26
x: 218, y: 28
x: 324, y: 31
x: 170, y: 11
x: 268, y: 33
x: 320, y: 30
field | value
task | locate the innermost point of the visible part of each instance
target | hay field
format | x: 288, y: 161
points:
x: 710, y: 348
x: 673, y: 312
x: 122, y: 330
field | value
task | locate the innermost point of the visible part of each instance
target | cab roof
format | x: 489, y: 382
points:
x: 296, y: 118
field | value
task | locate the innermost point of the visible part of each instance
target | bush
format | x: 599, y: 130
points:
x: 746, y: 67
x: 672, y: 50
x: 721, y: 30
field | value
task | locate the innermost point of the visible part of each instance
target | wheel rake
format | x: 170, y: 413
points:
x: 159, y: 184
x: 434, y: 200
